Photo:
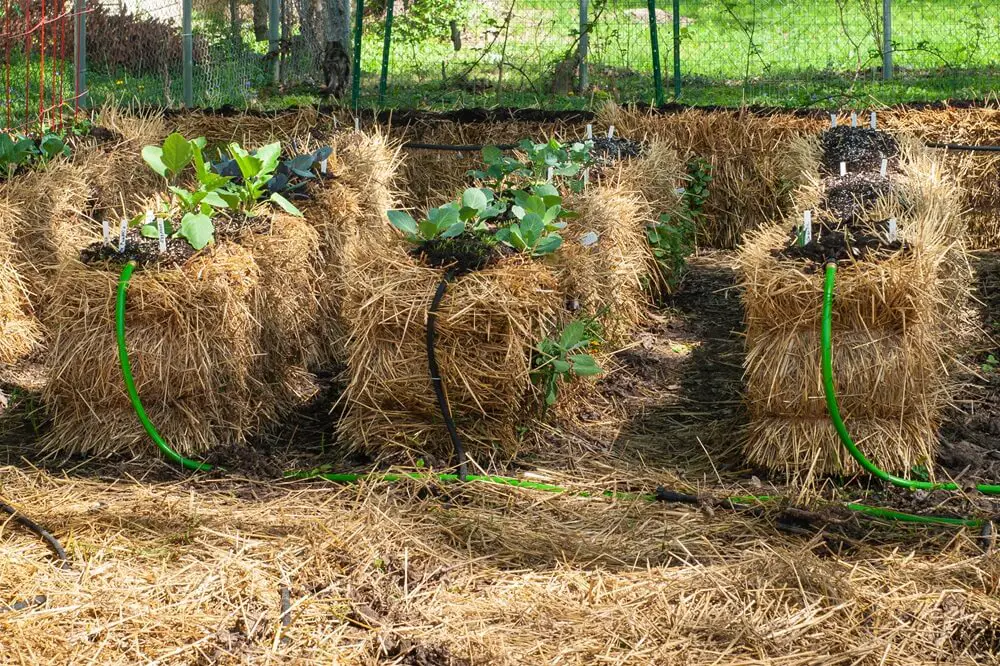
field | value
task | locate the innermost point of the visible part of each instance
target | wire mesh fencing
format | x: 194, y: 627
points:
x: 467, y: 53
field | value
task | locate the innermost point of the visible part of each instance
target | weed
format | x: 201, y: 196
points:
x: 565, y: 358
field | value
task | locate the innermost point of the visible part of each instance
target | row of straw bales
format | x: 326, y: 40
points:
x: 897, y: 322
x: 227, y: 343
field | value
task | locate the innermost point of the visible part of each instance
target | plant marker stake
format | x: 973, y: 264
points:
x: 874, y: 121
x: 885, y: 166
x: 162, y: 234
x: 121, y: 237
x: 807, y: 228
x: 549, y: 176
x: 106, y: 232
x: 586, y: 176
x: 843, y: 168
x: 611, y: 131
x: 590, y: 131
x: 833, y: 120
x: 892, y: 230
x: 854, y: 118
x: 322, y: 166
x: 933, y: 170
x: 357, y: 124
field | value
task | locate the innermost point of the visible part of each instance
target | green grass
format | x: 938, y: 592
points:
x: 787, y: 53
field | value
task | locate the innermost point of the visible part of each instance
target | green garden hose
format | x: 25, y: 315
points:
x: 660, y: 495
x: 133, y: 394
x: 826, y: 341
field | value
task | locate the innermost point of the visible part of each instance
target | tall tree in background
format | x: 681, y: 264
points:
x: 326, y: 31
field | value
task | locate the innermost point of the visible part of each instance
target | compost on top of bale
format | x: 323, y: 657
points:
x: 897, y: 310
x: 222, y: 340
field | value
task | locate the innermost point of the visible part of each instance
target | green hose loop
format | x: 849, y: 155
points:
x: 133, y: 394
x: 826, y: 341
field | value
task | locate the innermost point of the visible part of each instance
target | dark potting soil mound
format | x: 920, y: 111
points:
x: 608, y: 151
x: 143, y: 251
x: 862, y: 148
x: 847, y: 198
x: 843, y: 242
x: 462, y: 254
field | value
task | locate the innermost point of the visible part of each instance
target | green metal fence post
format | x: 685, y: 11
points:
x: 80, y: 53
x: 356, y: 73
x: 654, y: 42
x: 188, y: 55
x: 584, y: 45
x: 386, y: 45
x: 273, y: 39
x: 677, y: 49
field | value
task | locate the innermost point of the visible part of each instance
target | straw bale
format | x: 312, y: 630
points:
x: 20, y: 332
x: 656, y: 176
x: 487, y: 325
x: 608, y: 277
x: 193, y: 339
x: 896, y: 324
x: 747, y: 154
x: 349, y: 215
x: 115, y: 170
x: 247, y: 128
x: 977, y: 172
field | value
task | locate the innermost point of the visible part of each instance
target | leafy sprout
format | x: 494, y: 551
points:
x: 566, y: 357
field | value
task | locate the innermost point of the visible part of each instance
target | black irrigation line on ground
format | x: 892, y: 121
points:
x: 50, y: 541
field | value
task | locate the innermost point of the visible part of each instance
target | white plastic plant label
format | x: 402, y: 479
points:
x: 106, y: 232
x: 589, y: 238
x: 933, y: 171
x: 121, y: 236
x: 590, y: 131
x: 611, y: 131
x: 807, y: 227
x: 161, y: 234
x: 893, y: 230
x: 551, y: 172
x: 884, y: 168
x: 833, y: 120
x: 854, y: 118
x: 586, y: 176
x: 357, y: 124
x: 322, y: 165
x: 843, y: 168
x: 874, y: 120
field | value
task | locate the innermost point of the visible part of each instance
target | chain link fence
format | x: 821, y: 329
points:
x: 466, y: 53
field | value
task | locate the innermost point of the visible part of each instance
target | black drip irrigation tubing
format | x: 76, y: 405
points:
x: 439, y: 388
x: 52, y: 542
x: 661, y: 494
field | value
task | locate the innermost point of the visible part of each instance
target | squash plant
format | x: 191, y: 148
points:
x: 19, y: 150
x: 566, y: 357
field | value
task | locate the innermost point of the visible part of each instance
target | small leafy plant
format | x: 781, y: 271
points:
x: 991, y: 364
x: 19, y: 150
x: 499, y: 170
x: 477, y: 206
x: 672, y: 237
x: 241, y: 184
x: 565, y: 161
x: 567, y: 357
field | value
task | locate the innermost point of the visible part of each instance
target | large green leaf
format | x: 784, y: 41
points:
x: 428, y: 230
x: 560, y: 366
x: 584, y: 365
x: 532, y: 228
x: 285, y: 204
x: 492, y: 154
x: 454, y: 230
x: 197, y: 229
x: 269, y: 156
x: 153, y: 156
x: 403, y: 221
x: 176, y: 153
x: 573, y: 334
x: 548, y: 245
x: 473, y: 197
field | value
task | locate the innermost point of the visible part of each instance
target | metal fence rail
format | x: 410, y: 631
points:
x: 462, y: 53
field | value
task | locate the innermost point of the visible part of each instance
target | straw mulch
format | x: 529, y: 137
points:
x: 248, y: 128
x: 487, y: 325
x: 193, y: 336
x: 20, y: 332
x: 978, y: 172
x: 897, y: 322
x: 746, y: 153
x: 195, y: 571
x: 609, y: 278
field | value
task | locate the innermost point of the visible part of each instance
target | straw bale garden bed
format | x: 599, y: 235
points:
x: 500, y: 387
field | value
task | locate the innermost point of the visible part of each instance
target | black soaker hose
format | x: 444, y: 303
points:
x: 50, y: 541
x: 439, y: 389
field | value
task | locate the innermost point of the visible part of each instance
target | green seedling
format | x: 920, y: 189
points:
x: 566, y: 357
x: 442, y: 222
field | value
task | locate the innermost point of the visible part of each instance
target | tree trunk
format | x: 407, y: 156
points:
x: 326, y: 33
x: 260, y: 13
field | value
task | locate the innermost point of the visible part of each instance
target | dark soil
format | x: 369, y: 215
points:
x: 842, y: 242
x: 847, y: 198
x: 862, y: 148
x: 463, y: 254
x: 608, y: 151
x: 144, y: 251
